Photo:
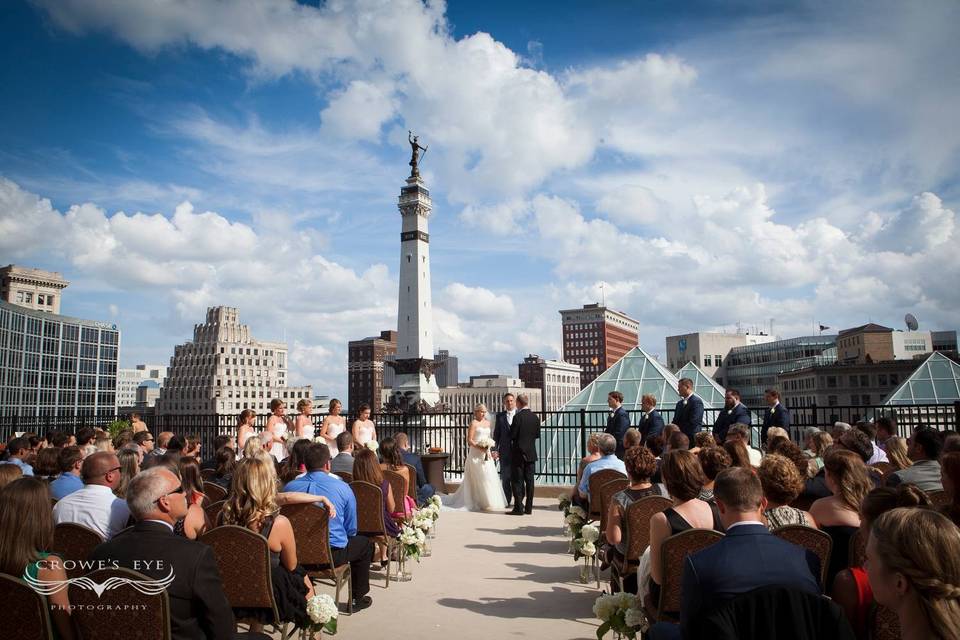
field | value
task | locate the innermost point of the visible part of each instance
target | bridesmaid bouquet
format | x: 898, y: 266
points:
x: 486, y: 444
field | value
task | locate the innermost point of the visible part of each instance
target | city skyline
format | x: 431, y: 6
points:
x: 707, y: 165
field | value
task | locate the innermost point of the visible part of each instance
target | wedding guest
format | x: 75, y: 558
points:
x: 788, y: 449
x: 303, y: 424
x: 226, y: 462
x: 886, y: 429
x: 95, y: 506
x: 252, y: 504
x: 144, y: 440
x: 26, y: 534
x: 393, y: 461
x: 129, y: 467
x: 254, y: 448
x: 951, y: 443
x: 9, y: 473
x: 925, y: 470
x: 69, y: 461
x: 737, y: 451
x: 294, y: 466
x: 896, y: 448
x: 333, y: 425
x: 367, y: 469
x: 85, y: 437
x: 921, y: 582
x: 45, y: 465
x: 194, y: 524
x: 704, y: 439
x: 839, y: 428
x: 678, y: 441
x: 777, y: 432
x: 631, y: 438
x: 17, y: 450
x: 61, y: 439
x: 346, y: 545
x: 159, y: 448
x: 838, y: 515
x: 712, y: 460
x: 877, y: 454
x: 276, y: 432
x: 656, y: 446
x: 782, y: 483
x: 219, y: 442
x: 246, y: 426
x: 608, y: 460
x: 619, y: 420
x: 424, y: 489
x: 651, y: 422
x: 593, y: 454
x: 741, y: 432
x: 121, y: 439
x: 192, y: 445
x: 950, y: 479
x: 363, y: 429
x: 344, y: 460
x: 819, y: 443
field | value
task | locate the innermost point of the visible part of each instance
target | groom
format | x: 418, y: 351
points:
x: 501, y: 435
x: 524, y: 433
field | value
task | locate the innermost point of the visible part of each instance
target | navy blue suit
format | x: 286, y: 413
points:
x: 780, y: 417
x: 617, y: 425
x: 651, y: 425
x: 728, y: 418
x: 424, y: 489
x: 501, y: 435
x: 747, y: 558
x: 689, y: 417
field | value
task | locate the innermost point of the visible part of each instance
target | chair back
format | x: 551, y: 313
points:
x: 207, y: 474
x: 398, y: 486
x: 412, y: 486
x: 605, y: 494
x: 121, y: 607
x: 636, y: 521
x: 883, y: 623
x: 369, y: 509
x: 597, y: 480
x: 858, y: 548
x: 214, y: 492
x: 32, y: 611
x: 213, y: 512
x: 243, y: 558
x: 311, y: 532
x: 346, y: 475
x: 673, y: 552
x: 938, y: 498
x: 75, y: 542
x: 813, y: 539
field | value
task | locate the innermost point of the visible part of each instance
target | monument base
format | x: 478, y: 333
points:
x: 415, y: 388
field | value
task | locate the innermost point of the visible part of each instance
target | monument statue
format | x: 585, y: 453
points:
x: 415, y: 154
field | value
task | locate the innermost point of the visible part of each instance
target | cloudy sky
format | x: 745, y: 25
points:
x: 710, y: 163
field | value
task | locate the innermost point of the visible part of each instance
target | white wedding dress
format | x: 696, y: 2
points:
x: 480, y: 489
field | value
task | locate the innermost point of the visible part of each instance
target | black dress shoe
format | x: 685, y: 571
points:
x: 515, y: 512
x: 361, y: 603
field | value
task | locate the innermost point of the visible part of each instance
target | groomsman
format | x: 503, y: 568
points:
x: 733, y: 412
x: 619, y: 420
x: 651, y: 423
x: 689, y: 412
x: 501, y: 435
x: 776, y: 416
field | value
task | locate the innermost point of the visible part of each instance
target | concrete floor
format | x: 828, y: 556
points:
x: 490, y: 576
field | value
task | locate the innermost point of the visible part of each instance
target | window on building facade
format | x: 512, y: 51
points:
x: 832, y: 382
x: 707, y: 361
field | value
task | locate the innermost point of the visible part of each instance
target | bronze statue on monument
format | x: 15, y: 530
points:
x: 415, y: 155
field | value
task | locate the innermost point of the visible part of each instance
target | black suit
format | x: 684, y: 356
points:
x: 651, y: 425
x: 524, y: 433
x: 689, y: 416
x: 198, y: 607
x: 728, y: 418
x: 501, y: 435
x: 617, y: 425
x: 779, y: 417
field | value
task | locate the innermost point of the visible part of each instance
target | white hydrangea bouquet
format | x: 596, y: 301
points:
x: 412, y: 541
x: 585, y: 547
x: 423, y: 520
x: 486, y: 444
x: 323, y: 613
x: 430, y: 510
x: 574, y: 520
x: 620, y: 613
x: 372, y: 445
x: 435, y: 502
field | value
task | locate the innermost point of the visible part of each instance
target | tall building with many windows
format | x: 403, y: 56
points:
x: 128, y: 381
x: 558, y: 380
x: 224, y: 369
x: 754, y: 368
x: 366, y: 373
x: 708, y: 350
x: 595, y: 337
x: 56, y: 366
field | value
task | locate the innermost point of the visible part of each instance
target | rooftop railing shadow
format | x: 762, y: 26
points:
x: 552, y: 546
x: 559, y: 602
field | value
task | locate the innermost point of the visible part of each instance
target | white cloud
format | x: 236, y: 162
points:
x: 359, y: 111
x: 924, y: 225
x: 477, y: 302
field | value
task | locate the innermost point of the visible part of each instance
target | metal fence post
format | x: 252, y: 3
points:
x: 956, y: 414
x: 583, y: 432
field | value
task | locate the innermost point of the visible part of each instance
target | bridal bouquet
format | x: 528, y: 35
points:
x: 323, y: 613
x: 619, y: 612
x: 486, y: 444
x: 412, y: 541
x: 372, y: 445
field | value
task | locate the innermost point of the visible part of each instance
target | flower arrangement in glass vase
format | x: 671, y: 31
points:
x: 620, y: 613
x: 584, y: 546
x: 423, y: 521
x: 572, y: 523
x: 486, y: 444
x: 323, y: 614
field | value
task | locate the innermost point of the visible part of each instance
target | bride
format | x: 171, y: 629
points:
x: 480, y: 489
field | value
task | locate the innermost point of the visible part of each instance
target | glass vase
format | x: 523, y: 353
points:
x: 584, y: 572
x: 427, y: 551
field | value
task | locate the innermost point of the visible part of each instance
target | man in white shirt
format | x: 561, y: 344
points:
x: 741, y: 432
x: 878, y: 455
x: 95, y: 506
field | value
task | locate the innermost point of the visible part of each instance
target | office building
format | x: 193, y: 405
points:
x: 559, y: 381
x: 367, y: 374
x: 875, y: 343
x: 32, y: 288
x: 754, y: 368
x: 147, y: 394
x: 56, y: 366
x: 489, y: 391
x: 128, y: 381
x: 944, y: 340
x: 596, y: 337
x: 708, y: 350
x: 446, y: 369
x: 224, y: 369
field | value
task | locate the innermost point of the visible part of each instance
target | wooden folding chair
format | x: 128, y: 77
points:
x: 370, y: 520
x: 597, y: 480
x: 311, y: 532
x: 214, y: 492
x: 346, y: 475
x: 112, y: 615
x: 636, y: 535
x: 813, y: 539
x: 32, y: 610
x: 673, y: 553
x: 74, y: 542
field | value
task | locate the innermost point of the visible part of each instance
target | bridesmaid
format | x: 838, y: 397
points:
x: 276, y: 432
x: 333, y: 425
x: 246, y: 427
x: 304, y: 422
x: 364, y: 430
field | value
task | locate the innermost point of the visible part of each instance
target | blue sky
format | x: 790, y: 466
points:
x: 710, y: 163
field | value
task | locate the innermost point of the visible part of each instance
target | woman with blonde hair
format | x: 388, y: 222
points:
x: 897, y: 453
x: 913, y: 563
x: 246, y: 426
x: 819, y: 443
x: 593, y: 454
x: 333, y: 425
x: 129, y: 467
x: 254, y: 448
x: 839, y: 514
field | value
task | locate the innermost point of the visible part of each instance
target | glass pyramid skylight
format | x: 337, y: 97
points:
x: 704, y: 386
x: 936, y: 381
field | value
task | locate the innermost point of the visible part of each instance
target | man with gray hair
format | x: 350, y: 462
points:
x: 198, y: 606
x: 839, y: 428
x: 608, y: 460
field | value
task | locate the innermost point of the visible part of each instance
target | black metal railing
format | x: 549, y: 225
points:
x: 563, y: 439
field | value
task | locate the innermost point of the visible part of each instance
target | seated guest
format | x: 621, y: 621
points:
x: 839, y: 514
x: 254, y: 448
x: 198, y: 606
x: 703, y: 439
x: 741, y: 432
x: 162, y: 442
x: 26, y: 532
x: 45, y: 464
x: 777, y: 432
x: 95, y: 506
x: 712, y: 460
x: 144, y: 440
x: 103, y: 443
x: 896, y: 448
x: 668, y: 431
x: 61, y: 439
x: 344, y: 459
x: 225, y: 460
x: 607, y: 445
x: 684, y: 479
x: 17, y: 450
x: 679, y: 441
x: 129, y: 467
x: 851, y: 589
x: 194, y: 524
x: 192, y: 445
x: 839, y: 428
x: 739, y: 455
x: 253, y: 504
x: 367, y: 469
x: 819, y: 443
x: 85, y: 438
x: 951, y: 443
x: 782, y: 483
x: 656, y: 445
x: 593, y: 454
x: 391, y: 460
x: 11, y: 472
x: 293, y: 466
x: 789, y: 450
x: 219, y: 442
x: 808, y: 434
x: 70, y: 461
x: 346, y: 545
x: 631, y: 438
x: 886, y: 429
x: 925, y: 470
x: 640, y: 465
x: 747, y: 558
x: 424, y: 489
x: 651, y: 423
x: 870, y: 430
x: 950, y: 479
x: 919, y: 579
x: 121, y: 439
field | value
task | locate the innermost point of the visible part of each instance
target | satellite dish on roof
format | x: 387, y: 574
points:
x: 911, y: 321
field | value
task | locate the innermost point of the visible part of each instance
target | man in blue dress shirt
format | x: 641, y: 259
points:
x: 70, y: 462
x: 346, y: 545
x: 608, y: 460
